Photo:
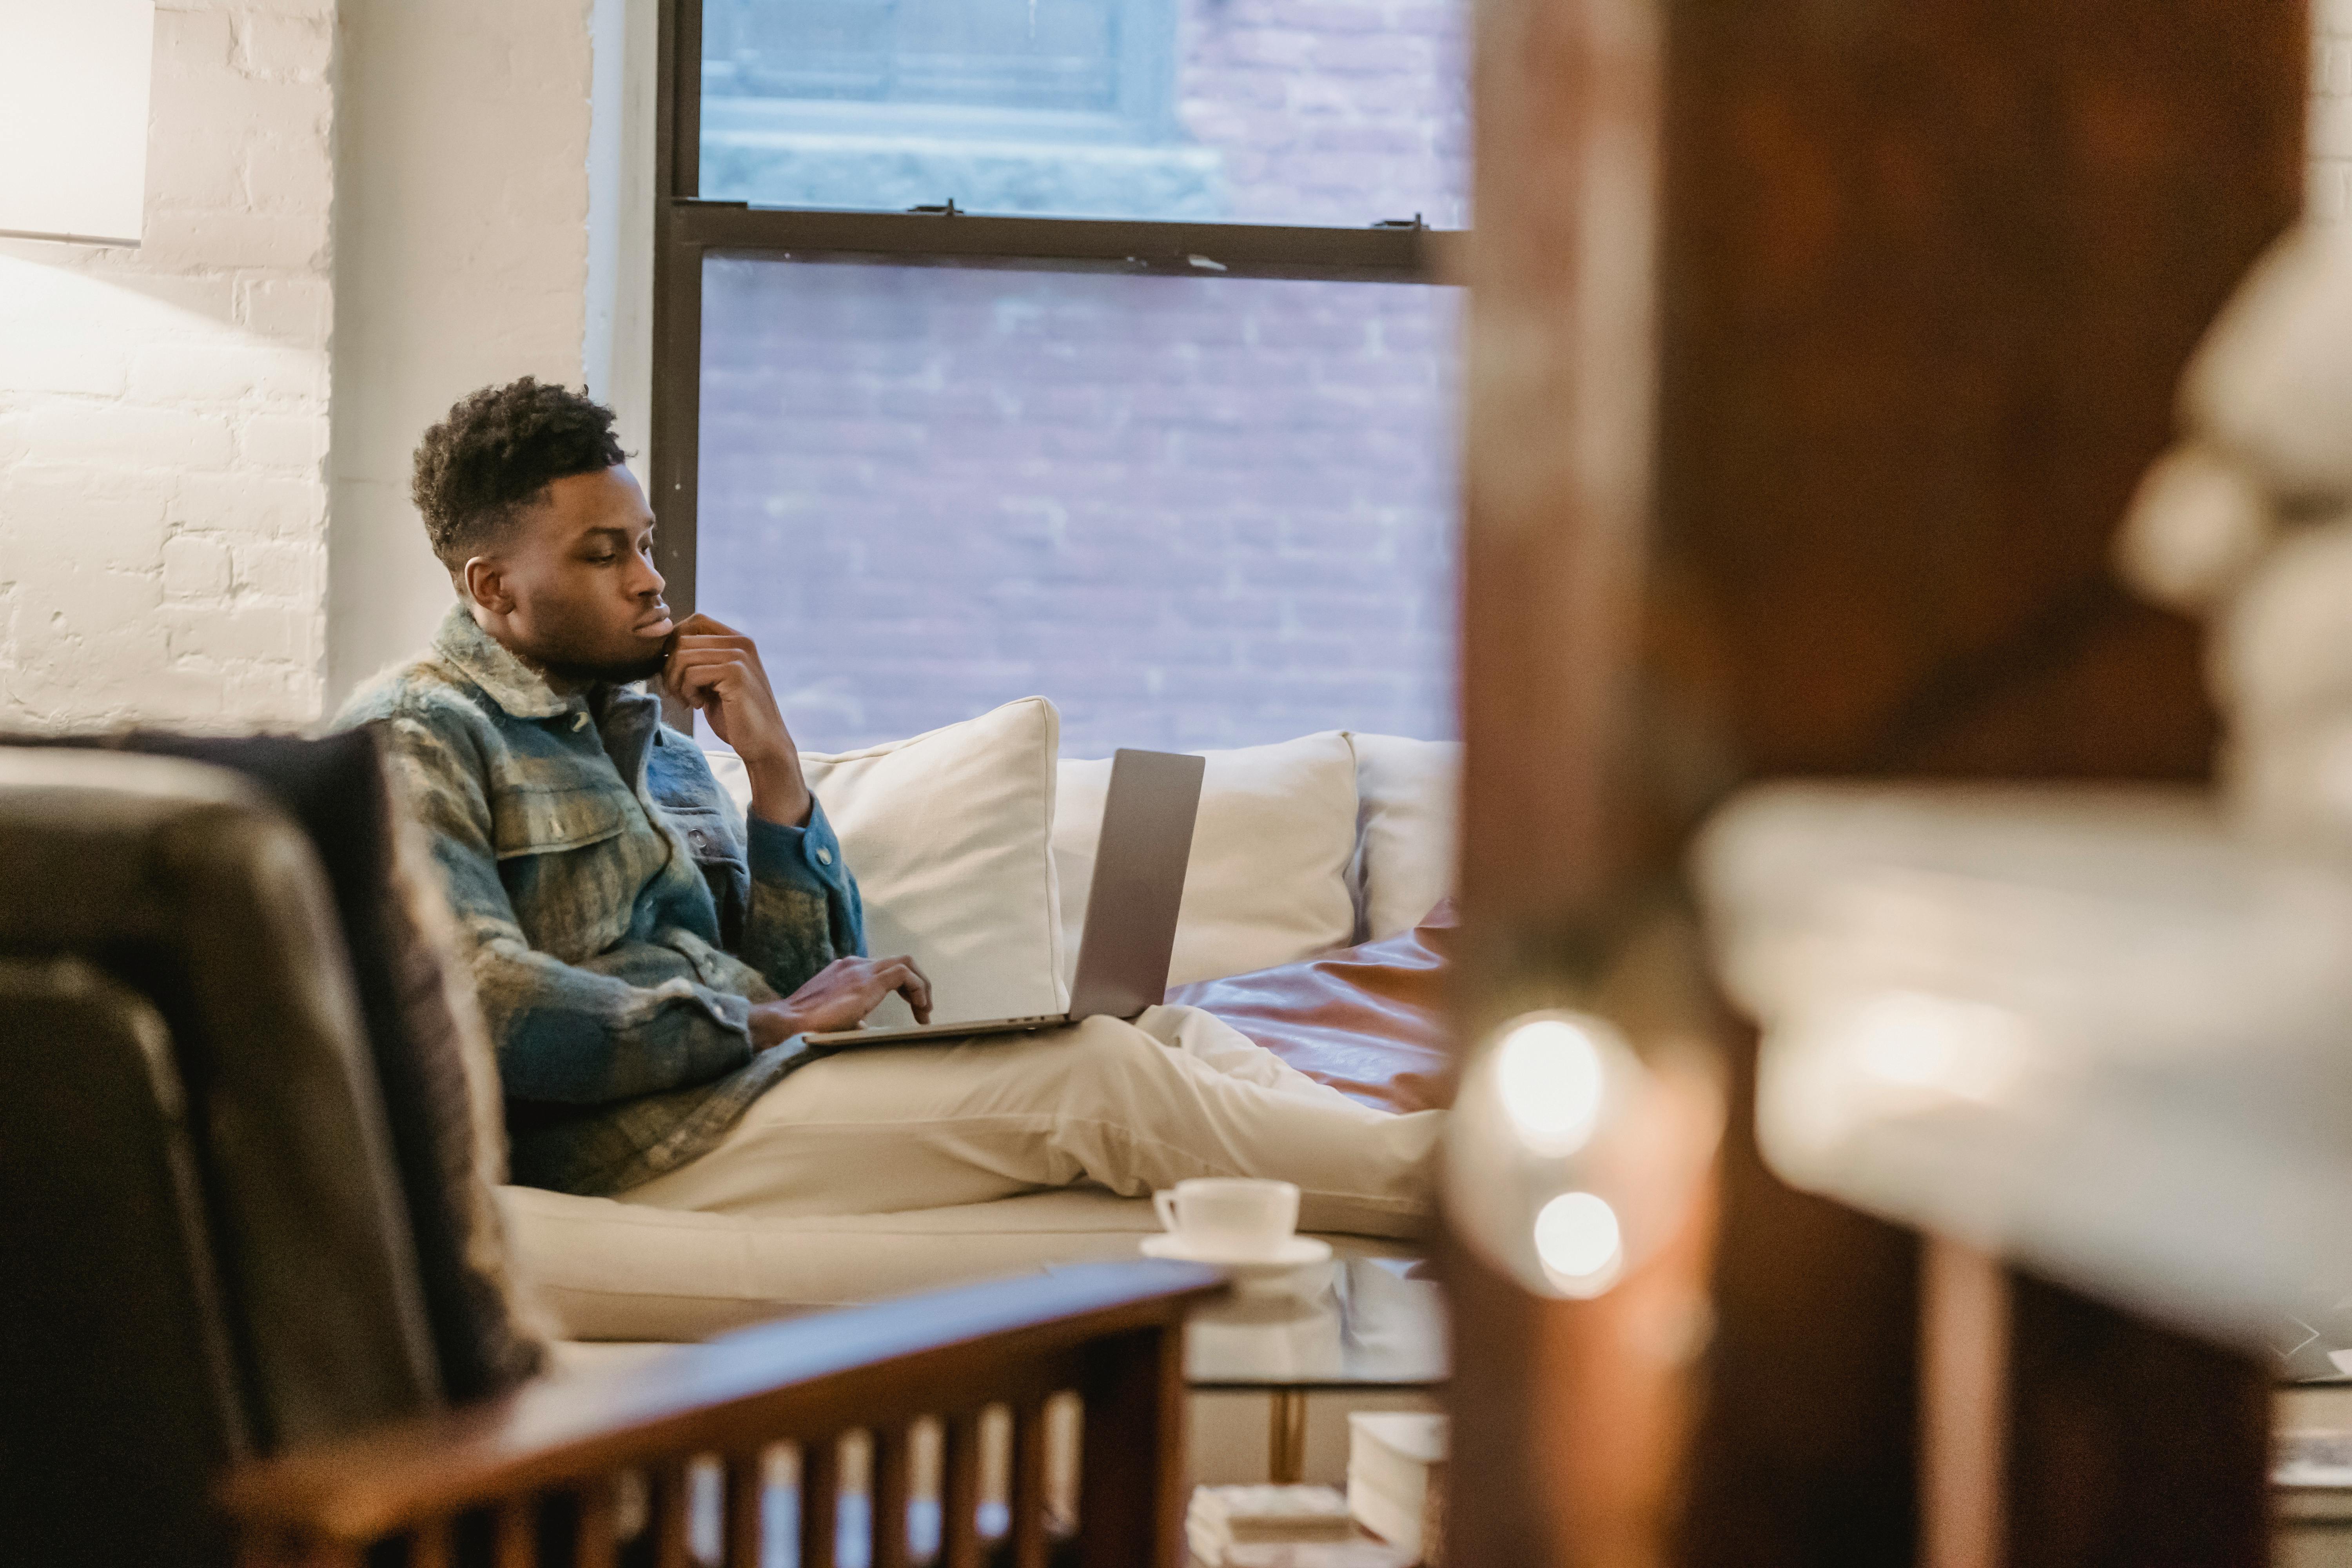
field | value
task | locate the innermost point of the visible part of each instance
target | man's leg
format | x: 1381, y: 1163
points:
x: 1213, y: 1040
x: 898, y: 1128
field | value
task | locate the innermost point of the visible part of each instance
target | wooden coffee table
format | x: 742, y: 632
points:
x: 1369, y: 1325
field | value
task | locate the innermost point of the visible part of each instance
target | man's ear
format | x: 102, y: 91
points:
x: 485, y: 583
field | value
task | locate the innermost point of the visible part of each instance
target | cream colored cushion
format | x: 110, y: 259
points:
x: 612, y: 1270
x: 1406, y: 792
x: 1268, y: 882
x: 949, y: 834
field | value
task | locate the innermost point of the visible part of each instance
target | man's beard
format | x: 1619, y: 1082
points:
x: 636, y: 669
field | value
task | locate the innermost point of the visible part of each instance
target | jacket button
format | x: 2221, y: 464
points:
x: 824, y: 857
x: 696, y: 836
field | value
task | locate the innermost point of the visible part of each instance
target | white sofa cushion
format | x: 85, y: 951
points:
x: 1268, y: 882
x: 611, y: 1271
x: 949, y: 834
x: 1406, y: 791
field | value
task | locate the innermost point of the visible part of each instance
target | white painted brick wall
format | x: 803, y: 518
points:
x: 163, y: 411
x: 2329, y: 193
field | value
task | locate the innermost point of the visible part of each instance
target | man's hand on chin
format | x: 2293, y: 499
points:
x: 716, y: 669
x: 839, y: 997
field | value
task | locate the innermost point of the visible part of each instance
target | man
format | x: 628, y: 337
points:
x: 647, y: 959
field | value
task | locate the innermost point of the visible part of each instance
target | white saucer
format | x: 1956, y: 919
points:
x: 1298, y: 1252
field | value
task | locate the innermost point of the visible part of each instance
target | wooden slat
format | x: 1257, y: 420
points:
x: 893, y: 1454
x: 1028, y: 1500
x: 598, y: 1544
x: 673, y: 1493
x: 514, y: 1533
x: 960, y: 1492
x: 807, y: 1376
x: 429, y: 1545
x: 1131, y: 1492
x: 747, y: 1481
x: 820, y: 1502
x: 1963, y: 1404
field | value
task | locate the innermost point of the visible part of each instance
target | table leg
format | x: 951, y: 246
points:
x: 1285, y: 1436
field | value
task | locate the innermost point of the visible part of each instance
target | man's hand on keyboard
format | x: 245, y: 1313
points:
x: 839, y: 997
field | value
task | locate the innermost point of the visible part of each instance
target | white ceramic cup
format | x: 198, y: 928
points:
x: 1229, y: 1217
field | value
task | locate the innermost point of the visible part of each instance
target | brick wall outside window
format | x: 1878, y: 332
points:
x: 1193, y: 511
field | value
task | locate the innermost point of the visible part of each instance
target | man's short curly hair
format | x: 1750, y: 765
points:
x: 496, y: 453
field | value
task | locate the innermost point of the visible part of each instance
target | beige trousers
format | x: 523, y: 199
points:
x: 1132, y: 1107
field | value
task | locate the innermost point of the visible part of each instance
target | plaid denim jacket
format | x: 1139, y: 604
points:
x: 623, y: 916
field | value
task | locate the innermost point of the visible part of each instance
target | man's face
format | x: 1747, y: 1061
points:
x: 578, y: 571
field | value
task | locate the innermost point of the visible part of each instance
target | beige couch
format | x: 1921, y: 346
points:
x: 1303, y: 846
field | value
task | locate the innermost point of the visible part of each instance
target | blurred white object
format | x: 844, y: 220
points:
x: 74, y: 83
x: 1567, y: 1160
x: 1396, y: 1476
x: 2313, y: 1459
x: 1221, y: 1518
x: 2281, y: 651
x: 2195, y: 526
x: 2294, y: 784
x: 2093, y: 1030
x: 2273, y: 382
x: 1359, y: 1552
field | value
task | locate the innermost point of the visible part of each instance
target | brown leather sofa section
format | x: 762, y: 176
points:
x: 1369, y: 1020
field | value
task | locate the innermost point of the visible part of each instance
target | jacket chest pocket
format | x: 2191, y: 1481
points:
x: 709, y: 836
x: 548, y: 821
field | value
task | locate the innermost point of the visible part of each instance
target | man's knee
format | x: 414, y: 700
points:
x: 1106, y: 1051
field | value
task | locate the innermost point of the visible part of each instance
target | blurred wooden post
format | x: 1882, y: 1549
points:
x: 1563, y: 1445
x: 1814, y: 349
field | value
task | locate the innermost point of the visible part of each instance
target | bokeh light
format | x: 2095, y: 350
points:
x: 1552, y: 1081
x: 1578, y: 1237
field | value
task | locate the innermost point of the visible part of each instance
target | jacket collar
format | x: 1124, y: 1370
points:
x: 511, y: 683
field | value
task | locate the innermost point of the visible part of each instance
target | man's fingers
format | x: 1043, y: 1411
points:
x: 707, y: 669
x: 909, y: 982
x: 706, y: 658
x: 712, y: 674
x: 701, y: 624
x: 917, y: 984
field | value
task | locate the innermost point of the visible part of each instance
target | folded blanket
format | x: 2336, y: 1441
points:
x: 1367, y: 1020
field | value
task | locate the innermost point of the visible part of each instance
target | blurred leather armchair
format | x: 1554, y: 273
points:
x: 256, y: 1300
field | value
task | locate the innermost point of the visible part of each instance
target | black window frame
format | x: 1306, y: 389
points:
x: 688, y: 229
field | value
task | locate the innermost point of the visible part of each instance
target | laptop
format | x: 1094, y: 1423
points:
x: 1130, y: 931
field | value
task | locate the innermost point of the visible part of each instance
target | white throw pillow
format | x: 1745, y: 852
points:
x: 1268, y: 882
x: 949, y: 836
x: 1408, y: 791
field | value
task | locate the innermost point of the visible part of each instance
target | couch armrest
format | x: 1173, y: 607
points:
x: 1111, y: 1332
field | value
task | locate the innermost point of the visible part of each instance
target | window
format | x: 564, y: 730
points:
x: 1151, y: 411
x: 999, y: 105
